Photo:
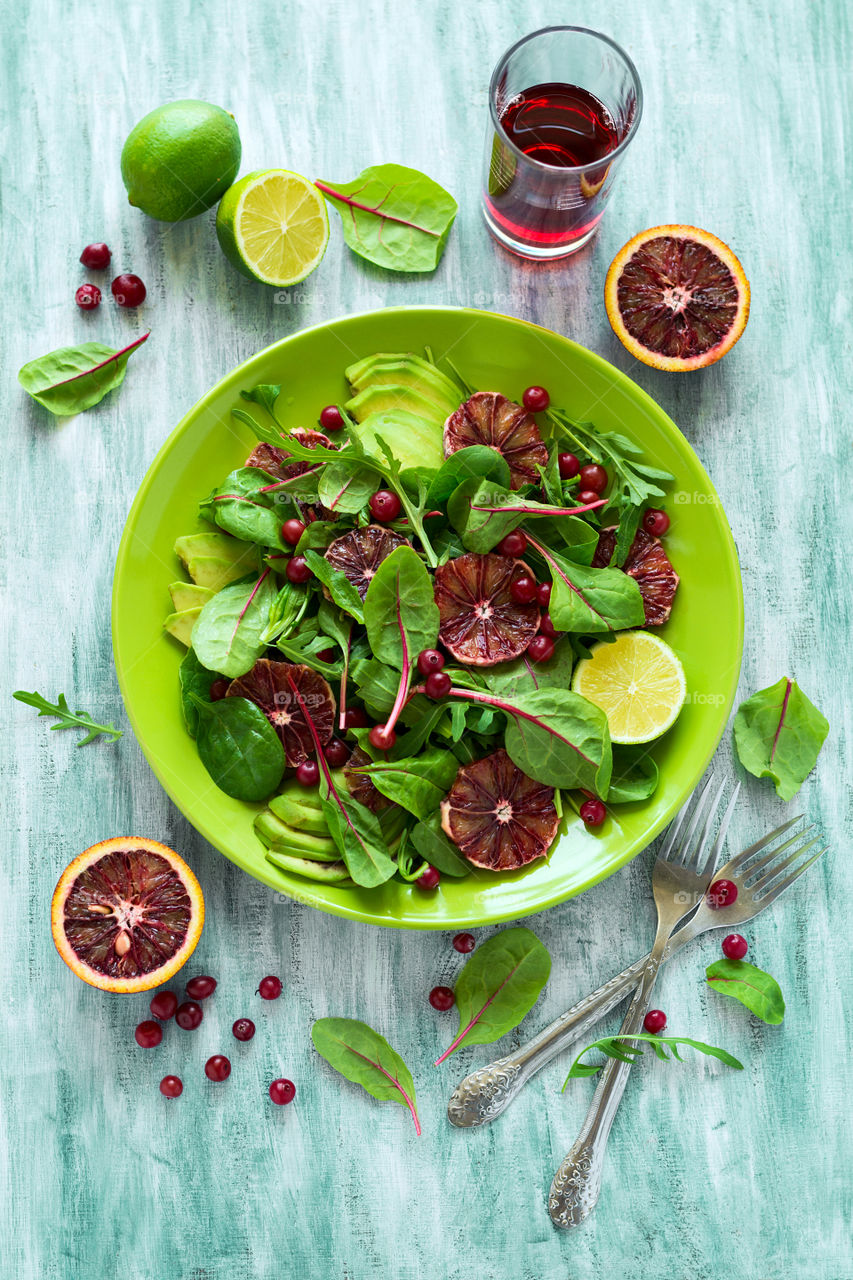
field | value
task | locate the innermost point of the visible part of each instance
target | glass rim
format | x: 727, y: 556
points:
x: 586, y: 31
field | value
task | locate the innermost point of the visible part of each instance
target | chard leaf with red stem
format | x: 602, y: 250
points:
x: 71, y: 379
x: 778, y: 734
x: 754, y: 988
x: 482, y: 513
x: 401, y: 616
x: 587, y: 600
x: 362, y: 1055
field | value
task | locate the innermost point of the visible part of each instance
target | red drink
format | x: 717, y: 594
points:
x: 560, y: 125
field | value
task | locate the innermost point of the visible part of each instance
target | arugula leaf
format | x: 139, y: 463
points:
x: 499, y: 985
x: 436, y: 847
x: 393, y: 216
x: 465, y: 464
x: 71, y: 379
x: 337, y: 583
x: 635, y: 775
x: 482, y: 513
x: 238, y: 747
x: 778, y: 734
x: 228, y: 636
x: 362, y: 1055
x: 345, y: 489
x: 411, y: 488
x: 400, y: 612
x: 69, y: 719
x: 756, y: 989
x: 418, y: 784
x: 627, y: 1052
x: 590, y: 600
x: 265, y: 394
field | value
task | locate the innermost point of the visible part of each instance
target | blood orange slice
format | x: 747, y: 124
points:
x: 479, y: 622
x: 126, y: 914
x: 272, y: 459
x: 269, y: 686
x: 490, y: 419
x: 359, y: 554
x: 360, y: 784
x: 499, y: 818
x: 649, y: 565
x: 677, y: 297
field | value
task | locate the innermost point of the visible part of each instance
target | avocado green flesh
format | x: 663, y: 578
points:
x: 180, y: 625
x: 305, y: 814
x: 392, y: 398
x: 279, y: 835
x: 406, y: 371
x: 328, y: 872
x: 188, y: 595
x: 415, y: 441
x: 213, y: 559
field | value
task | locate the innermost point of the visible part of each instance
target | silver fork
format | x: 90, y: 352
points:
x: 488, y: 1091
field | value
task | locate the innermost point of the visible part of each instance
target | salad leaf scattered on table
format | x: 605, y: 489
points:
x: 756, y: 989
x: 69, y: 719
x: 622, y: 1048
x: 71, y: 379
x: 363, y: 1056
x: 778, y: 734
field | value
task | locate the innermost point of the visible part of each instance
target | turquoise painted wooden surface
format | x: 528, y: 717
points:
x: 710, y: 1173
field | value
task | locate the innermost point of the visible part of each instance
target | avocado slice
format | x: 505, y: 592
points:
x: 391, y: 397
x: 414, y: 441
x: 180, y: 625
x: 406, y: 371
x: 328, y: 872
x: 302, y: 812
x: 187, y: 595
x: 214, y: 559
x: 279, y: 835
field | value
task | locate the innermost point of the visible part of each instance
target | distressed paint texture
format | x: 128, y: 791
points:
x: 710, y: 1172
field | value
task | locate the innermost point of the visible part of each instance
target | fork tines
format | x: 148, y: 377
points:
x: 761, y: 876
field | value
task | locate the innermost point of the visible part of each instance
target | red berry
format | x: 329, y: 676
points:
x: 464, y: 942
x: 269, y: 988
x: 593, y: 477
x: 722, y: 893
x: 547, y: 627
x: 148, y: 1034
x: 128, y: 290
x: 356, y: 718
x: 587, y: 496
x: 442, y: 998
x: 217, y: 1068
x: 292, y: 531
x: 540, y: 649
x: 308, y: 773
x: 330, y: 418
x: 201, y: 987
x: 163, y: 1005
x: 428, y: 879
x: 656, y: 522
x: 189, y: 1015
x: 96, y: 256
x: 385, y: 506
x: 735, y: 946
x: 282, y: 1092
x: 243, y: 1029
x: 514, y: 544
x: 171, y: 1086
x: 326, y: 655
x: 218, y: 690
x: 438, y: 685
x: 523, y: 589
x: 382, y: 738
x: 536, y: 399
x: 543, y: 595
x: 87, y: 297
x: 569, y: 466
x: 430, y: 660
x: 337, y: 753
x: 654, y: 1021
x: 297, y: 569
x: 593, y: 813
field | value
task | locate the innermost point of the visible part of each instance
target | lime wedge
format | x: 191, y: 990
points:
x: 272, y: 226
x: 637, y: 681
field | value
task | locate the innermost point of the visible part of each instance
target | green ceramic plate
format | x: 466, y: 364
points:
x: 494, y: 352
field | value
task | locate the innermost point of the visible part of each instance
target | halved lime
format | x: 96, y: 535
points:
x: 637, y: 681
x: 272, y: 226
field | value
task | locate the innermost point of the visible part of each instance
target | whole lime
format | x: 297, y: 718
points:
x: 179, y: 159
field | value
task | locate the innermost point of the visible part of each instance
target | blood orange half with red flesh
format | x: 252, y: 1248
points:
x: 359, y: 554
x: 499, y: 817
x: 269, y: 686
x: 126, y: 914
x: 490, y: 419
x: 479, y: 622
x: 274, y: 461
x: 651, y: 568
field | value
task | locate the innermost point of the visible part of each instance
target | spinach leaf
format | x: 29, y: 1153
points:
x: 436, y: 847
x: 613, y: 1047
x: 361, y: 1055
x: 778, y: 734
x: 635, y: 775
x: 357, y: 833
x: 71, y: 379
x: 753, y: 987
x: 475, y: 460
x: 483, y: 513
x: 418, y: 784
x: 345, y: 489
x: 499, y: 985
x: 423, y: 717
x: 393, y: 216
x: 590, y: 600
x: 228, y: 636
x: 573, y: 535
x: 245, y: 507
x: 67, y: 718
x: 238, y: 747
x: 524, y: 676
x: 336, y: 583
x: 400, y: 612
x: 194, y: 679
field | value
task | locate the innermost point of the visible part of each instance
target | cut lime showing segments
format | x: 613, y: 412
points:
x: 637, y: 681
x: 272, y: 226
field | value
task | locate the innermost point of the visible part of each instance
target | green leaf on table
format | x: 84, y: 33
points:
x: 436, y: 847
x: 67, y: 718
x: 393, y: 216
x: 400, y: 612
x: 623, y: 1049
x: 589, y: 600
x: 345, y: 489
x: 336, y: 583
x: 778, y: 734
x: 71, y: 379
x: 635, y: 775
x: 228, y: 636
x: 756, y: 989
x: 238, y: 747
x: 417, y: 783
x: 499, y: 985
x: 362, y: 1055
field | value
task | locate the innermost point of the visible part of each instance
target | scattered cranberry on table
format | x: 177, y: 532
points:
x: 540, y: 649
x: 464, y: 942
x: 201, y: 987
x: 282, y: 1092
x: 735, y: 946
x: 382, y: 738
x: 96, y: 256
x: 128, y: 290
x: 722, y: 893
x: 356, y: 718
x: 514, y: 544
x: 592, y: 813
x: 428, y: 879
x: 442, y: 998
x: 337, y: 753
x: 536, y: 399
x: 384, y: 506
x: 87, y: 297
x: 218, y: 690
x: 163, y: 1005
x: 430, y: 660
x: 308, y: 773
x: 543, y: 595
x: 656, y: 522
x: 269, y: 988
x: 438, y: 685
x: 587, y: 496
x: 292, y: 531
x: 593, y: 477
x: 654, y: 1021
x: 243, y: 1029
x: 568, y: 465
x: 330, y: 418
x: 189, y: 1015
x: 297, y: 570
x: 523, y: 589
x: 148, y: 1034
x: 217, y: 1068
x: 171, y: 1086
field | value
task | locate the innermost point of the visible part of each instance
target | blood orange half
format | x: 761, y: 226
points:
x: 677, y: 297
x: 126, y: 914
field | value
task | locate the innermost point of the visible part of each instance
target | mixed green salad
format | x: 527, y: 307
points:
x: 383, y: 620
